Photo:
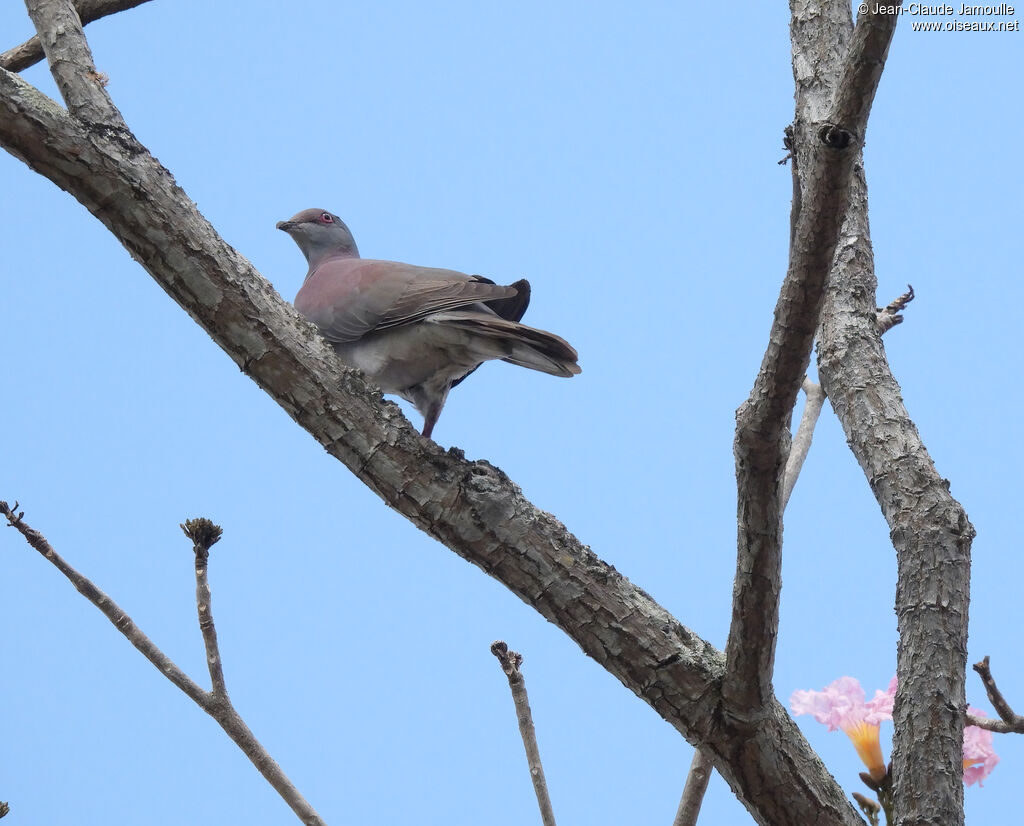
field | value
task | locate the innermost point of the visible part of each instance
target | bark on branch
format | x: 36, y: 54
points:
x: 82, y: 87
x: 825, y: 150
x: 929, y: 529
x: 31, y: 51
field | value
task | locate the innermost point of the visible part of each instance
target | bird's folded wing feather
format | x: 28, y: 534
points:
x: 349, y: 298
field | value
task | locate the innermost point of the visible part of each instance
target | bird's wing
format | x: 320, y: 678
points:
x: 348, y: 298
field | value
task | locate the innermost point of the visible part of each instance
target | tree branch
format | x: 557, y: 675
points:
x: 82, y: 87
x: 110, y: 609
x: 510, y: 662
x: 929, y: 530
x: 31, y: 51
x: 814, y: 400
x: 861, y: 70
x: 204, y: 534
x: 216, y: 704
x: 1010, y: 721
x: 693, y: 792
x: 700, y: 767
x: 824, y: 156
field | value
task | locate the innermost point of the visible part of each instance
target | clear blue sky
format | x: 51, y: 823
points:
x: 624, y: 162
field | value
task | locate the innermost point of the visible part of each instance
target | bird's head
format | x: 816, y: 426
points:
x: 320, y: 234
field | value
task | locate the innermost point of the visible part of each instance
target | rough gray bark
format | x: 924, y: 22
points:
x: 827, y: 138
x: 929, y: 529
x: 31, y: 51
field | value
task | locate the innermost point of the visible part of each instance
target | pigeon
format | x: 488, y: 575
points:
x: 415, y: 331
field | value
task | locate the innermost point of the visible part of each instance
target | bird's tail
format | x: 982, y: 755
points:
x: 516, y: 343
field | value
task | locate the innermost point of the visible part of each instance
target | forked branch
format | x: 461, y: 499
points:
x: 216, y: 702
x: 31, y: 51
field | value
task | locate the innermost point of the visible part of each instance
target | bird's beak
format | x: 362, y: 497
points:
x: 287, y: 226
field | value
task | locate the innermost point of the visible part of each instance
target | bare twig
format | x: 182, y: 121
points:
x: 111, y: 610
x: 995, y: 726
x: 510, y: 662
x: 216, y: 704
x: 204, y: 534
x: 693, y: 792
x: 83, y: 88
x: 1010, y: 722
x: 814, y: 400
x: 890, y: 315
x: 31, y: 51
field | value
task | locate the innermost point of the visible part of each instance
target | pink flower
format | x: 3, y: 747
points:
x: 842, y: 705
x: 979, y: 755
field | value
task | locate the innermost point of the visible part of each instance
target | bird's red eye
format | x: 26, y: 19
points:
x: 326, y: 218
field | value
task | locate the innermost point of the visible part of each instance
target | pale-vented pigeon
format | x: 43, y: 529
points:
x: 415, y: 331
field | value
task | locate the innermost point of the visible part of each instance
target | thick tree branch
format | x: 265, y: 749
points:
x: 700, y: 767
x: 214, y: 703
x: 82, y: 87
x: 824, y: 156
x: 929, y: 530
x: 31, y: 51
x: 762, y: 433
x: 471, y: 507
x: 862, y: 69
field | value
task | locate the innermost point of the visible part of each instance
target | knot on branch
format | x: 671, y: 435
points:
x: 835, y: 137
x: 510, y: 660
x: 203, y: 533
